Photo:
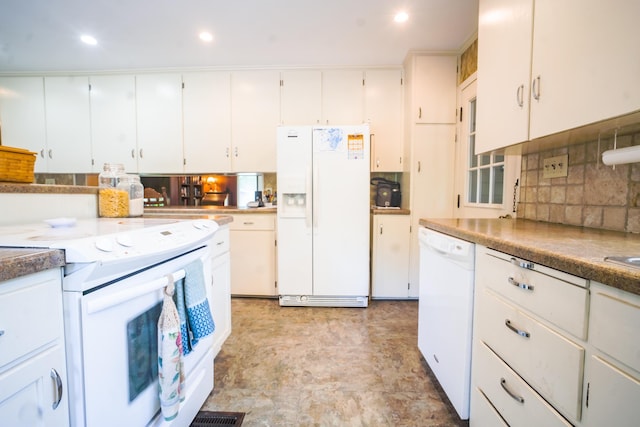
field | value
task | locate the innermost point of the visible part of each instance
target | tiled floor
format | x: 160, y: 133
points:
x: 308, y: 366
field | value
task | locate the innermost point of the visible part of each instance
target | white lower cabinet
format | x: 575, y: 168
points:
x: 525, y: 361
x: 221, y: 287
x: 519, y: 404
x: 612, y: 374
x: 390, y: 257
x: 484, y: 414
x: 33, y: 375
x: 253, y: 255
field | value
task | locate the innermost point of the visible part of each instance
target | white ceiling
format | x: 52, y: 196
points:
x: 43, y: 35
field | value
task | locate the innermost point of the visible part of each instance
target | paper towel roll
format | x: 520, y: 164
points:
x: 621, y: 156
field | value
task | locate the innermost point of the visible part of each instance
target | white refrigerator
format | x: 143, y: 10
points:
x: 323, y: 215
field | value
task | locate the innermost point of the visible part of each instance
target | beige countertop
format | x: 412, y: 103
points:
x: 16, y: 262
x: 389, y: 211
x: 207, y: 210
x: 576, y: 250
x: 11, y: 187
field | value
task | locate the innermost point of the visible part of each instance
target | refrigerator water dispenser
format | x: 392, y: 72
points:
x: 293, y: 205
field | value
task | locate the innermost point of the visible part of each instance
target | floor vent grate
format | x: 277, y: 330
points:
x: 219, y: 419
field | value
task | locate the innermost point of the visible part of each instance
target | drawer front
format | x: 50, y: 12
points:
x: 552, y: 364
x: 31, y: 314
x: 253, y: 222
x: 518, y: 403
x: 482, y: 412
x: 614, y: 321
x: 220, y: 243
x: 561, y: 302
x: 613, y: 396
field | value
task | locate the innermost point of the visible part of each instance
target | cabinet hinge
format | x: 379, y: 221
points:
x: 408, y: 286
x: 400, y: 159
x: 458, y: 202
x: 281, y: 82
x: 401, y: 81
x: 460, y: 114
x: 93, y: 162
x: 182, y: 85
x: 184, y: 161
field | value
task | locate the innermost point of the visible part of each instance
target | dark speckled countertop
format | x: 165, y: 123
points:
x: 16, y: 262
x: 576, y: 250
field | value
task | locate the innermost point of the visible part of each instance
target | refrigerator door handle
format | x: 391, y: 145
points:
x: 316, y: 189
x: 308, y: 198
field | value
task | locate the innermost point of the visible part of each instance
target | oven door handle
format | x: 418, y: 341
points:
x: 129, y: 294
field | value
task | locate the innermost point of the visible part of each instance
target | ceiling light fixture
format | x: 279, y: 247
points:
x: 206, y: 37
x: 87, y: 39
x: 401, y: 17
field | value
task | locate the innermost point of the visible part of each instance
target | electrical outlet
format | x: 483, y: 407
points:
x: 555, y: 167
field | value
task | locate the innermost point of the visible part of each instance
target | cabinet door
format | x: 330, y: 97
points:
x: 504, y: 60
x: 383, y: 109
x: 159, y: 112
x: 68, y: 124
x: 253, y: 255
x: 22, y: 117
x: 206, y: 103
x: 301, y: 97
x: 113, y: 121
x: 434, y: 89
x: 390, y: 264
x: 255, y: 114
x: 34, y: 392
x: 342, y: 97
x: 585, y: 56
x: 220, y: 301
x: 431, y: 183
x: 613, y: 395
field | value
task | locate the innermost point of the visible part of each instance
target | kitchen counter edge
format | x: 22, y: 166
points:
x: 575, y: 250
x: 17, y: 262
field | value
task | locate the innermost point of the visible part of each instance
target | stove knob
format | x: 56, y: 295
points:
x: 124, y: 240
x: 104, y: 244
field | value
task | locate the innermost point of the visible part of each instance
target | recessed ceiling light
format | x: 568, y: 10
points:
x: 206, y: 37
x: 401, y: 17
x: 90, y: 40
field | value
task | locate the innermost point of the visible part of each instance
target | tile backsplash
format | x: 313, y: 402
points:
x: 591, y: 195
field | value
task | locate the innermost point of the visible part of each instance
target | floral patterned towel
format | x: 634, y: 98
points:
x: 170, y: 364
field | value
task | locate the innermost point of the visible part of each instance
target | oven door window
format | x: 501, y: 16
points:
x: 142, y: 350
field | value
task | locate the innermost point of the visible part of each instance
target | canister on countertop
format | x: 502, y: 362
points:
x: 112, y: 201
x: 135, y: 190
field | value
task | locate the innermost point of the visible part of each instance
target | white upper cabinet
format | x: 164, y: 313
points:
x: 301, y: 97
x: 585, y: 63
x: 504, y: 63
x: 433, y: 98
x: 68, y: 124
x: 159, y: 116
x: 545, y: 67
x: 342, y: 97
x: 113, y: 121
x: 383, y: 111
x: 22, y: 117
x: 255, y: 114
x: 206, y: 116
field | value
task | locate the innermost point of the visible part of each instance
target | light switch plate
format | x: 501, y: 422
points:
x: 556, y: 167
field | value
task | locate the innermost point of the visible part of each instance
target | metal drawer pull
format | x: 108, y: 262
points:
x: 520, y: 332
x: 58, y: 388
x: 515, y: 397
x: 524, y: 286
x: 522, y: 264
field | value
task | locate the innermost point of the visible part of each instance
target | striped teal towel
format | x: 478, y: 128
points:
x: 196, y: 320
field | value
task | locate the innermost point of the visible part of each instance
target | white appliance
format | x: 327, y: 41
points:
x: 112, y: 293
x: 445, y: 312
x: 323, y: 216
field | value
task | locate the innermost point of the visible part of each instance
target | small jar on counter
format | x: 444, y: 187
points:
x: 135, y: 193
x: 112, y: 201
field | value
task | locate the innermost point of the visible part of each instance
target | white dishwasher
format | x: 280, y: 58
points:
x: 445, y: 314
